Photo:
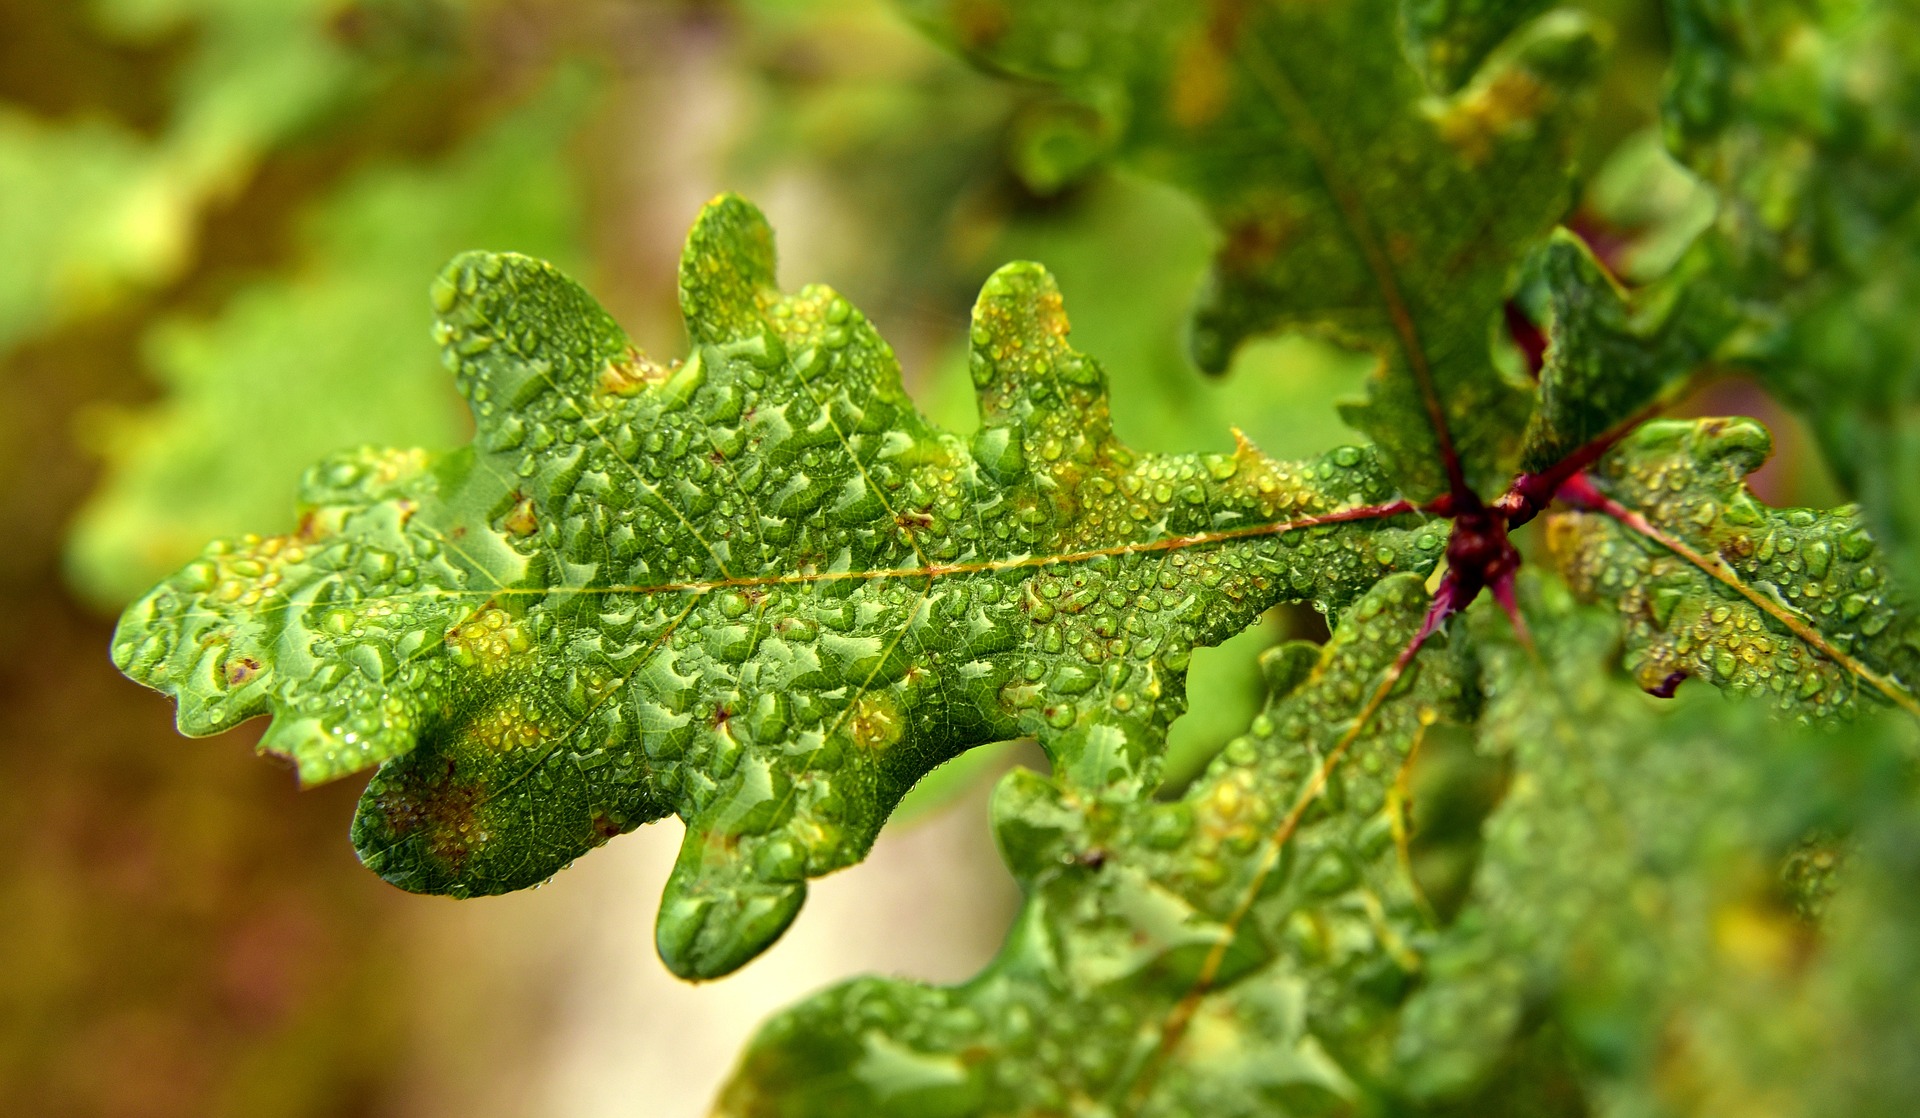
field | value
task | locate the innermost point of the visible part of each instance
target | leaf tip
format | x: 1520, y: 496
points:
x: 1021, y: 363
x: 726, y: 267
x: 708, y: 934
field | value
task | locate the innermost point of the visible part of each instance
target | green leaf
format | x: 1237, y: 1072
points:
x: 753, y: 587
x: 329, y: 356
x: 1651, y: 208
x: 1351, y: 201
x: 1807, y: 120
x: 1131, y: 250
x: 1792, y: 605
x: 1451, y: 38
x: 1611, y: 356
x: 63, y: 221
x: 92, y: 211
x: 1137, y: 978
x: 1631, y: 892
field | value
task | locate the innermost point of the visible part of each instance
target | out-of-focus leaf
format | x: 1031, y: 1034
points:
x: 1791, y: 604
x: 330, y: 356
x: 1630, y: 893
x: 72, y: 230
x: 1648, y: 208
x: 91, y: 210
x: 1451, y: 38
x: 1806, y: 118
x: 899, y: 150
x: 1350, y: 200
x: 754, y: 587
x: 1611, y: 356
x: 1093, y: 1001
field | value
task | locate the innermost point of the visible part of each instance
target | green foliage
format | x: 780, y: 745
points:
x: 1451, y: 38
x: 1131, y: 903
x: 1610, y: 359
x: 753, y: 587
x: 1340, y: 988
x: 1793, y: 604
x: 1633, y: 879
x: 329, y: 356
x: 94, y: 211
x: 1456, y: 864
x: 1807, y: 120
x: 1347, y: 203
x: 1131, y: 251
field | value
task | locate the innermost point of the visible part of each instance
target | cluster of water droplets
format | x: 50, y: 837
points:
x: 1128, y: 901
x: 327, y: 628
x: 1688, y: 478
x: 755, y: 588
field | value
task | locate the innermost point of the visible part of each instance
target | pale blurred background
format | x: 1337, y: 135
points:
x: 218, y: 220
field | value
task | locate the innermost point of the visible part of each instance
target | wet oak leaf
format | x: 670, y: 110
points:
x: 1612, y: 354
x: 1733, y: 621
x: 1128, y: 904
x: 1632, y: 890
x: 1451, y: 38
x: 1352, y: 200
x: 754, y: 588
x: 1805, y: 119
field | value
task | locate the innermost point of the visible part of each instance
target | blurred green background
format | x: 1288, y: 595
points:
x: 218, y: 219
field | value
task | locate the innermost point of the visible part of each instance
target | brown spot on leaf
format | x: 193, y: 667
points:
x: 310, y: 528
x: 1478, y: 120
x: 980, y: 23
x: 241, y: 670
x: 439, y: 808
x: 1253, y: 243
x: 521, y: 521
x: 630, y: 376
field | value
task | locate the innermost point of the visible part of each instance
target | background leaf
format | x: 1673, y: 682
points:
x: 329, y: 356
x: 1348, y: 202
x: 1807, y: 121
